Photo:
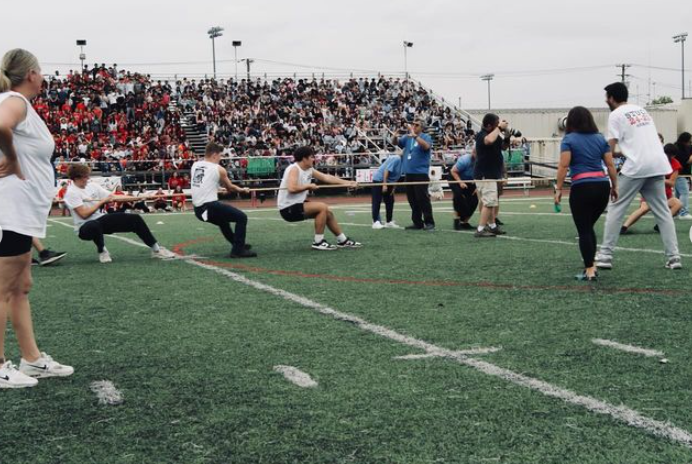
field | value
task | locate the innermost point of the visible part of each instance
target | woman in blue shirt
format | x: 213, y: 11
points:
x: 583, y: 151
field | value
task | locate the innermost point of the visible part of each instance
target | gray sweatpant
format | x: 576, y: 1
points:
x: 653, y: 191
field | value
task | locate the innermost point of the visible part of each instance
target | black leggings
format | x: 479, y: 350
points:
x: 465, y: 200
x: 221, y: 214
x: 112, y: 223
x: 587, y: 202
x: 419, y: 200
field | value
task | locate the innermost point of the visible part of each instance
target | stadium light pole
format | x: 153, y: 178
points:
x: 236, y: 44
x: 81, y: 43
x: 681, y: 38
x: 488, y: 78
x: 214, y: 32
x: 407, y: 45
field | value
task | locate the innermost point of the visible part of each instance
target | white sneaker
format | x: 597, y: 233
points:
x: 10, y: 377
x: 348, y: 243
x: 686, y: 217
x: 392, y: 225
x: 377, y: 225
x: 603, y: 261
x: 323, y: 246
x: 163, y: 253
x: 44, y: 367
x: 674, y: 263
x: 105, y: 257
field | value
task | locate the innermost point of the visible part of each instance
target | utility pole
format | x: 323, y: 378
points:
x: 236, y: 44
x: 248, y: 62
x: 488, y: 78
x: 623, y: 75
x: 681, y: 38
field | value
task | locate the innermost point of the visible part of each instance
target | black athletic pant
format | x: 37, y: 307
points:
x: 419, y: 200
x: 222, y: 215
x: 377, y: 198
x: 112, y: 223
x: 587, y: 201
x: 465, y: 201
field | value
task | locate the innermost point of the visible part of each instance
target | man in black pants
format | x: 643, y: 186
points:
x: 207, y: 176
x: 86, y: 199
x: 417, y: 148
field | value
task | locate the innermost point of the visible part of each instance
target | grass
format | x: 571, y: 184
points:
x: 193, y: 351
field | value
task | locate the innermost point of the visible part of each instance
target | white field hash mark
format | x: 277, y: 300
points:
x: 296, y: 376
x: 469, y: 352
x: 629, y: 348
x: 106, y: 393
x: 621, y: 413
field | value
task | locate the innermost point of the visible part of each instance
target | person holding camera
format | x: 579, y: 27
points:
x: 488, y: 173
x: 417, y: 148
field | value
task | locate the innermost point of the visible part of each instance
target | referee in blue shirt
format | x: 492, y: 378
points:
x: 417, y: 148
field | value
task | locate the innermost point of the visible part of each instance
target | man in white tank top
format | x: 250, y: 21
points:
x: 294, y: 206
x: 207, y: 176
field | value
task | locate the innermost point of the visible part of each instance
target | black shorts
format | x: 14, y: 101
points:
x: 14, y: 244
x: 294, y: 213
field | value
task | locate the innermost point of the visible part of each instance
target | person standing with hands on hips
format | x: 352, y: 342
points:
x: 417, y: 148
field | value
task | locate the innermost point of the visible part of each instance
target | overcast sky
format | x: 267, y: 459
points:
x: 529, y: 45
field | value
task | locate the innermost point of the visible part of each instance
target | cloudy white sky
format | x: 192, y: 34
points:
x: 532, y: 46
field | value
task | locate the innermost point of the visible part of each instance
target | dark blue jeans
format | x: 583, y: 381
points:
x: 377, y: 198
x: 221, y: 214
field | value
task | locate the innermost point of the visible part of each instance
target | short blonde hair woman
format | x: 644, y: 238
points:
x: 27, y: 190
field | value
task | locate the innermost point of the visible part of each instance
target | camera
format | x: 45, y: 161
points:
x: 511, y: 132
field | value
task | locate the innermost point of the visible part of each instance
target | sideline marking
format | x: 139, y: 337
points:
x: 621, y: 413
x: 629, y: 348
x: 469, y: 352
x: 106, y: 393
x: 296, y: 376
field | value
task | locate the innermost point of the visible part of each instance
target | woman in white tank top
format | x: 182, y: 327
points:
x: 26, y: 193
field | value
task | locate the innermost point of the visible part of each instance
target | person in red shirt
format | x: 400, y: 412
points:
x: 61, y: 197
x: 174, y: 181
x: 179, y: 199
x: 673, y: 203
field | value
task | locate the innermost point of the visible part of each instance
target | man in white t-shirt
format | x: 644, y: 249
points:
x: 293, y: 204
x: 85, y: 200
x: 645, y: 168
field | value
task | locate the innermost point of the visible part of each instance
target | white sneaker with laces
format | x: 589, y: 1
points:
x: 105, y: 257
x: 323, y: 246
x: 44, y: 367
x: 686, y: 217
x: 377, y: 225
x: 348, y: 243
x: 163, y: 253
x: 674, y: 263
x: 603, y: 261
x: 11, y: 377
x: 392, y: 225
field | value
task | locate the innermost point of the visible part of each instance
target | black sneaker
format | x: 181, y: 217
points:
x: 413, y: 227
x: 457, y: 224
x: 466, y: 226
x: 429, y: 227
x: 348, y: 243
x: 497, y: 230
x: 485, y: 233
x: 35, y: 262
x: 623, y: 230
x: 245, y: 253
x: 47, y: 257
x: 498, y: 222
x: 323, y: 246
x: 657, y: 229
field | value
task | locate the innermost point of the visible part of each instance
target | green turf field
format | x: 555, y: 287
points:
x: 192, y: 346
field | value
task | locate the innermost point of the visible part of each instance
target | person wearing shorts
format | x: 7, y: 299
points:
x: 488, y: 172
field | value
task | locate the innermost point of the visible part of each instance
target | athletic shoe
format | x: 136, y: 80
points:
x: 47, y: 257
x: 656, y: 229
x: 35, y: 262
x: 465, y: 226
x: 686, y: 217
x: 377, y: 225
x: 429, y: 227
x: 413, y: 227
x: 457, y: 224
x: 105, y: 257
x: 584, y: 278
x: 244, y: 253
x: 497, y: 230
x: 392, y: 225
x: 674, y: 263
x: 163, y: 253
x: 603, y: 261
x: 485, y: 233
x: 44, y: 367
x: 498, y: 222
x: 11, y: 377
x: 323, y: 246
x: 348, y: 243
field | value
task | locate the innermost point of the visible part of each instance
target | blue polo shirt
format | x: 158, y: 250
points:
x: 415, y: 159
x: 392, y: 165
x: 464, y: 167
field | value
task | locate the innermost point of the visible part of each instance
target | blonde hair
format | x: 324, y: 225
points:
x: 15, y: 66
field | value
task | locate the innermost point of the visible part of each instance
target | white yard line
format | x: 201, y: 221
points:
x: 621, y: 413
x: 296, y: 376
x: 469, y: 352
x: 106, y: 393
x: 629, y: 348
